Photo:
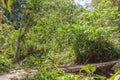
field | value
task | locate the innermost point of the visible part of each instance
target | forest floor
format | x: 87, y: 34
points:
x: 104, y: 68
x: 17, y: 74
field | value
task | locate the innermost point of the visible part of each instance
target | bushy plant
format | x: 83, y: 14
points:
x: 90, y: 70
x: 30, y: 61
x: 46, y: 75
x: 95, y: 44
x: 8, y: 40
x: 69, y: 77
x: 5, y: 63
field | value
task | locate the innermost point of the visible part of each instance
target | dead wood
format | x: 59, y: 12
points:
x: 104, y: 68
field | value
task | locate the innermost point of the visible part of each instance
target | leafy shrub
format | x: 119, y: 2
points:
x: 95, y: 44
x: 90, y: 70
x: 33, y: 60
x: 30, y: 61
x: 69, y: 77
x: 8, y: 40
x: 5, y: 64
x: 46, y: 75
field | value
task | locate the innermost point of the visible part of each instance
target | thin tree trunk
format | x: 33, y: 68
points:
x: 0, y: 19
x: 17, y: 47
x: 119, y: 13
x: 17, y: 50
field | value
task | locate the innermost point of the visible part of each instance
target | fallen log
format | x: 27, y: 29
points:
x: 104, y: 68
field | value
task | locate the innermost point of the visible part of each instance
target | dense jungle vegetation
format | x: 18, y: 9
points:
x: 45, y: 34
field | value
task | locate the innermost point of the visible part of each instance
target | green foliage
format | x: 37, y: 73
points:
x: 116, y: 67
x: 5, y: 63
x: 58, y: 74
x: 104, y: 13
x: 114, y: 75
x: 68, y: 77
x: 48, y: 29
x: 89, y: 68
x: 8, y: 40
x: 94, y: 78
x: 94, y: 44
x: 46, y: 75
x: 34, y: 60
x: 53, y: 30
x: 30, y: 61
x: 7, y: 4
x: 14, y: 14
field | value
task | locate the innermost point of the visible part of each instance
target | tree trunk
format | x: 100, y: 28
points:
x: 119, y: 13
x: 104, y: 68
x: 19, y: 40
x: 0, y: 19
x: 17, y: 47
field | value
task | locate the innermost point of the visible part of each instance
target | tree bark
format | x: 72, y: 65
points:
x: 119, y: 13
x: 17, y: 46
x: 19, y: 40
x: 0, y: 19
x: 105, y: 68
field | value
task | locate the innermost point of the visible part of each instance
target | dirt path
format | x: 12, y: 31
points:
x: 19, y: 74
